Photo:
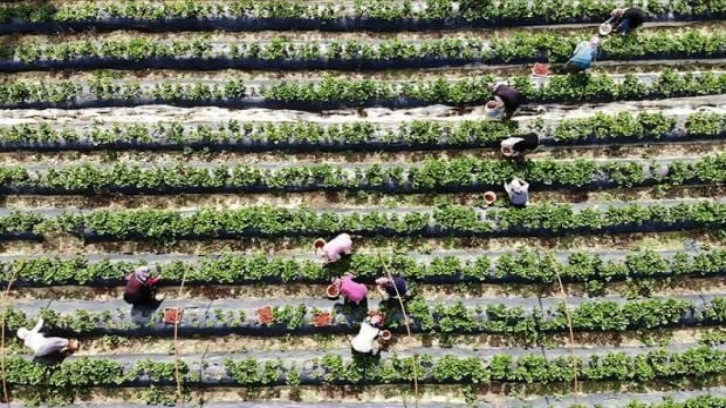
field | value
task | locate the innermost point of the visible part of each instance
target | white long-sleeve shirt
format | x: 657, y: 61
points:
x: 363, y: 342
x: 41, y: 345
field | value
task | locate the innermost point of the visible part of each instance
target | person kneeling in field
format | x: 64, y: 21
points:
x: 141, y: 288
x: 518, y: 191
x: 335, y: 249
x: 627, y: 20
x: 584, y: 55
x: 45, y: 346
x: 351, y: 290
x: 506, y: 99
x: 519, y: 146
x: 390, y: 289
x: 365, y: 341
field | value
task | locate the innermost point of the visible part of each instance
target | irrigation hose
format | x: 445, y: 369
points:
x: 2, y: 336
x: 408, y: 329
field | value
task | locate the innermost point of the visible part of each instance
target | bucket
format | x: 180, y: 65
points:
x: 605, y: 28
x: 332, y: 291
x: 319, y: 243
x: 385, y: 335
x: 172, y: 315
x: 490, y: 197
x: 492, y: 111
x: 540, y: 70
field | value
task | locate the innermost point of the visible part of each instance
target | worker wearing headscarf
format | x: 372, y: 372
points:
x: 140, y: 287
x: 44, y: 346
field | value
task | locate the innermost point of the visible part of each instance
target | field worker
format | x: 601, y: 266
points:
x: 365, y: 341
x: 518, y: 191
x: 350, y: 289
x: 628, y: 19
x: 390, y: 289
x: 335, y: 249
x: 585, y: 53
x: 519, y: 146
x: 506, y: 98
x: 45, y: 346
x: 141, y: 287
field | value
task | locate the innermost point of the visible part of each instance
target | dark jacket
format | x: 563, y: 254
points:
x: 399, y: 284
x: 635, y: 16
x: 510, y: 96
x: 138, y: 292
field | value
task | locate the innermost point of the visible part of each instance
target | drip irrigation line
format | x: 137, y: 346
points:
x: 408, y: 327
x: 2, y: 336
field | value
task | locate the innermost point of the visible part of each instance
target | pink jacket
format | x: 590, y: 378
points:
x: 342, y: 244
x: 354, y: 291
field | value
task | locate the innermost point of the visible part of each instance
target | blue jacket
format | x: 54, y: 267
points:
x: 584, y: 54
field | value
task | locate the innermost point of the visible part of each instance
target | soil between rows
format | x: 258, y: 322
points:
x: 661, y: 287
x: 675, y: 151
x: 438, y: 395
x: 703, y: 27
x: 350, y: 200
x: 116, y: 345
x: 615, y: 68
x: 631, y: 241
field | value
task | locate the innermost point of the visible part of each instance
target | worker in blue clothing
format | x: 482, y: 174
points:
x: 584, y: 55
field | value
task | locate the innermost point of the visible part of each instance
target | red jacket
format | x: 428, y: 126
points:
x: 135, y: 287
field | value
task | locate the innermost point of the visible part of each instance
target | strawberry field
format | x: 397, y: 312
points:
x: 214, y: 141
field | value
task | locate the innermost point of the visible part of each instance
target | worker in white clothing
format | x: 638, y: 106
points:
x: 518, y: 191
x: 44, y: 346
x: 365, y: 341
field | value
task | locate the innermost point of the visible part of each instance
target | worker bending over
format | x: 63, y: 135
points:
x: 518, y: 191
x: 390, y: 289
x: 506, y: 98
x: 365, y: 341
x: 351, y: 290
x: 45, y: 346
x: 584, y: 55
x: 141, y: 288
x: 519, y: 146
x: 335, y: 249
x: 626, y: 20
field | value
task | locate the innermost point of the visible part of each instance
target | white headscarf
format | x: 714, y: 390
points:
x: 143, y: 273
x: 23, y: 333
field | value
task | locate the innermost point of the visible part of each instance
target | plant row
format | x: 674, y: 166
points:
x: 601, y: 128
x: 360, y: 15
x: 200, y: 53
x: 446, y: 220
x: 334, y: 369
x: 520, y: 266
x: 527, y: 321
x: 441, y: 175
x: 331, y: 92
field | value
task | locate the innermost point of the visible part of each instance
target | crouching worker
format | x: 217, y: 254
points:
x: 365, y: 341
x: 335, y: 249
x: 45, y: 346
x: 519, y: 146
x: 390, y: 289
x: 506, y: 99
x: 584, y: 55
x: 518, y: 191
x: 141, y: 288
x: 627, y: 20
x: 351, y: 290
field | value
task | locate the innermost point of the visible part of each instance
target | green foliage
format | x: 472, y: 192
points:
x: 520, y: 47
x: 550, y: 11
x: 579, y: 87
